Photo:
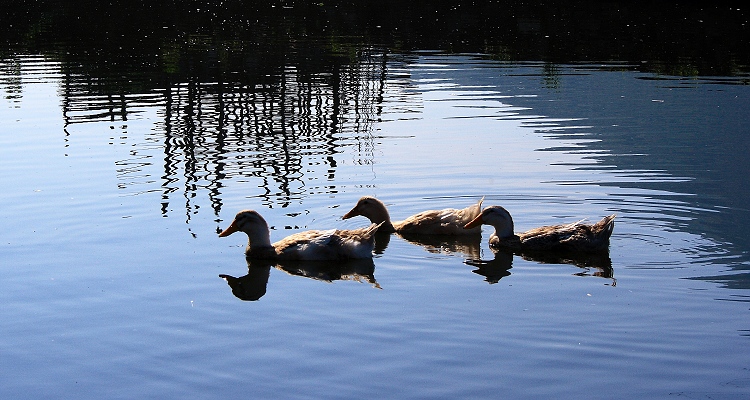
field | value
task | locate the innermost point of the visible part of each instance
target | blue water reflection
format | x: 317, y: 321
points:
x: 670, y: 147
x: 115, y: 191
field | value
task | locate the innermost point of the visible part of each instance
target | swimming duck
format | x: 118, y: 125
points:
x: 331, y: 244
x: 576, y: 236
x: 449, y: 221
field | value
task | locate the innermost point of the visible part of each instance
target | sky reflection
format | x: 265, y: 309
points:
x: 118, y: 180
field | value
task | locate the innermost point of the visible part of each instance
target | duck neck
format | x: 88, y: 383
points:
x: 387, y: 226
x: 260, y: 252
x: 258, y: 240
x: 505, y: 230
x: 508, y: 242
x: 379, y: 215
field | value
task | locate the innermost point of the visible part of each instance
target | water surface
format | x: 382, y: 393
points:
x: 113, y: 198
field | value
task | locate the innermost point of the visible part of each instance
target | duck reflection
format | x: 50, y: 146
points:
x: 468, y: 245
x: 597, y: 264
x: 592, y: 263
x: 252, y: 286
x: 382, y: 239
x: 495, y: 269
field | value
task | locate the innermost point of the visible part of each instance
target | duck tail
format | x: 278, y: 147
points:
x: 472, y: 211
x: 369, y: 232
x: 605, y: 227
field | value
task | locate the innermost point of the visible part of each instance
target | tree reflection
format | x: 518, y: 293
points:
x: 10, y: 71
x: 277, y: 125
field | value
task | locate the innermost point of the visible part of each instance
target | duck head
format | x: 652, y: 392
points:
x: 370, y: 208
x: 496, y: 216
x: 250, y: 222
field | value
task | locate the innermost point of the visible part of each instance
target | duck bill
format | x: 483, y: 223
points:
x: 474, y: 222
x: 352, y: 213
x: 230, y: 230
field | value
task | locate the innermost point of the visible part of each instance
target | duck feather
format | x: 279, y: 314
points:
x: 332, y: 244
x: 576, y: 236
x: 449, y: 221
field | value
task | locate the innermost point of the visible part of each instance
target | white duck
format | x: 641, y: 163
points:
x: 449, y: 221
x: 331, y: 244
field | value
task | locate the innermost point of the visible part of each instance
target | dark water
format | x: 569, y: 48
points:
x: 121, y: 160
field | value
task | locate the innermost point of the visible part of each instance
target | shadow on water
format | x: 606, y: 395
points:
x: 597, y: 264
x: 382, y: 240
x: 495, y: 269
x: 252, y: 286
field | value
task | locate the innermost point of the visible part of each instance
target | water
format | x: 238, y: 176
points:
x: 113, y: 199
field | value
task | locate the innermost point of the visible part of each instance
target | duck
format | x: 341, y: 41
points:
x: 449, y: 221
x: 333, y: 244
x: 575, y: 237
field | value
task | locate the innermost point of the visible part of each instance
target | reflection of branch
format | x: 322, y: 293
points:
x: 279, y: 129
x: 11, y: 83
x: 248, y: 121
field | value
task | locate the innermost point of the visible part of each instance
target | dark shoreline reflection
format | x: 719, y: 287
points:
x: 252, y: 286
x: 670, y: 36
x: 597, y: 264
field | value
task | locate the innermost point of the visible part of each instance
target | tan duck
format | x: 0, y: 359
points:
x: 331, y: 244
x: 449, y: 221
x: 576, y: 236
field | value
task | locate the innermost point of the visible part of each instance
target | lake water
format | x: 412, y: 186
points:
x: 114, y: 192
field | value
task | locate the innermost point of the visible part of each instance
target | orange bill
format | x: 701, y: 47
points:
x: 474, y: 222
x: 352, y: 213
x: 230, y: 230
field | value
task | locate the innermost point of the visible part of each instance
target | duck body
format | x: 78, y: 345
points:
x: 333, y: 244
x: 449, y: 221
x: 573, y: 237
